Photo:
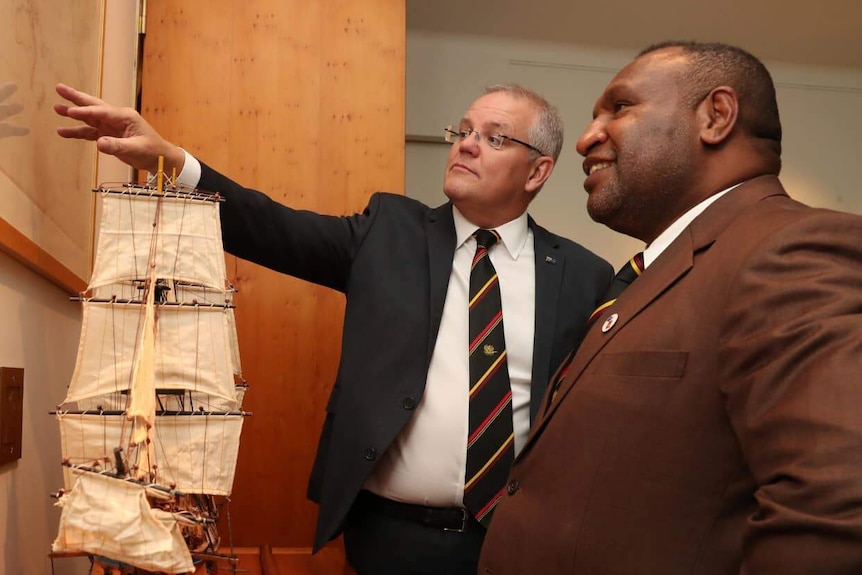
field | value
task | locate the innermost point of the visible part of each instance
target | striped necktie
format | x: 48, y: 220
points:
x: 490, y: 441
x: 627, y: 274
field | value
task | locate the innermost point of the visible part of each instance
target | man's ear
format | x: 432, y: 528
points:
x: 718, y: 113
x: 539, y: 173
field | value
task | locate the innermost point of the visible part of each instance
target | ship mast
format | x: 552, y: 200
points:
x: 142, y: 406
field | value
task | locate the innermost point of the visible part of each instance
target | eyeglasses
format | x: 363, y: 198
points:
x: 496, y: 141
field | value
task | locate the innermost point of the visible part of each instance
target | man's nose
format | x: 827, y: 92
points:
x: 593, y: 134
x: 470, y: 144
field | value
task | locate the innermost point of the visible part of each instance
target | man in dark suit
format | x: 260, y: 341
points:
x: 711, y: 421
x: 391, y: 464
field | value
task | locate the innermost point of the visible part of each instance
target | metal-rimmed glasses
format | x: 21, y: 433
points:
x: 496, y: 141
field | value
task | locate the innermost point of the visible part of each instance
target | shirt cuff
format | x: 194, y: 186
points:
x: 190, y: 175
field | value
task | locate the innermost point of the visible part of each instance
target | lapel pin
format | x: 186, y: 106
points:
x: 550, y: 260
x: 610, y: 322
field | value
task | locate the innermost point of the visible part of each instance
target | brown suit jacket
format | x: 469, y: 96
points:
x: 716, y: 428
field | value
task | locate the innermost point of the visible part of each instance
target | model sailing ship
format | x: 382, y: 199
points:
x: 151, y: 423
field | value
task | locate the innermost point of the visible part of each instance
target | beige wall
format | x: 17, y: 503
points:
x: 819, y: 109
x: 40, y: 333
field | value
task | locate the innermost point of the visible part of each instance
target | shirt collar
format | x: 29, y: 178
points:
x: 655, y: 249
x: 513, y: 234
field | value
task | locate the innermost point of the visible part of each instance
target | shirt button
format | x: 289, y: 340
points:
x: 408, y: 403
x: 370, y: 454
x: 513, y: 487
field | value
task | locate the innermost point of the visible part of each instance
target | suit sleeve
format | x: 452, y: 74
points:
x: 791, y: 367
x: 301, y: 243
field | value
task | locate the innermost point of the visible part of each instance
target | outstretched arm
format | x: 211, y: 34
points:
x: 120, y: 132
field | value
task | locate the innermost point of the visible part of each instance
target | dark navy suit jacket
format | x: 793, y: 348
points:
x: 393, y: 262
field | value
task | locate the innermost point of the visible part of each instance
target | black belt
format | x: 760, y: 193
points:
x: 446, y: 518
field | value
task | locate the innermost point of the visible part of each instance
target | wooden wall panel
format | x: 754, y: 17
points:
x: 305, y: 101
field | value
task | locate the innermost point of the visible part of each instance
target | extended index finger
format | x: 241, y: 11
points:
x: 106, y: 119
x: 76, y: 96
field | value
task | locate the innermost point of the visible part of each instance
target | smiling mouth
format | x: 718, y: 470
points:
x: 598, y: 166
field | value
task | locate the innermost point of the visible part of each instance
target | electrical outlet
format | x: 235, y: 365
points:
x: 11, y: 413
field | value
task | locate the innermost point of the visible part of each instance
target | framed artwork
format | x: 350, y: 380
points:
x: 45, y: 204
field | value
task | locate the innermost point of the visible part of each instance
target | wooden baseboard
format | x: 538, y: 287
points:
x: 296, y: 560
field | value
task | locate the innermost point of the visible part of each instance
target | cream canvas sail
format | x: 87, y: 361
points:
x: 150, y: 426
x: 187, y: 248
x: 194, y: 348
x: 113, y: 518
x: 196, y: 453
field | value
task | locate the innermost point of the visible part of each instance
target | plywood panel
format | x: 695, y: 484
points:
x: 305, y: 101
x: 43, y: 179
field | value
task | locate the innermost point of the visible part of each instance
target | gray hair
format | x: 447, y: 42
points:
x: 546, y: 131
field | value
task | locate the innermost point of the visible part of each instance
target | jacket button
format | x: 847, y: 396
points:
x: 370, y: 454
x: 513, y: 487
x: 408, y: 403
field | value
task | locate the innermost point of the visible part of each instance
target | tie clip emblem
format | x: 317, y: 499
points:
x: 610, y: 322
x: 488, y: 349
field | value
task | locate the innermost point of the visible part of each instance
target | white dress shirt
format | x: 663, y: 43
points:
x: 660, y: 244
x: 427, y: 462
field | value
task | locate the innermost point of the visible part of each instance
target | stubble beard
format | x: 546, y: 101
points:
x: 642, y: 191
x: 611, y: 205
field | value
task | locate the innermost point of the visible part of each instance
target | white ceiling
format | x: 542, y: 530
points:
x: 822, y: 32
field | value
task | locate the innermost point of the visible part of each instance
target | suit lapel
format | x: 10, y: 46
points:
x: 440, y: 234
x: 674, y: 263
x: 550, y: 264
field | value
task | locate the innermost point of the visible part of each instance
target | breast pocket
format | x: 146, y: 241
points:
x: 643, y: 363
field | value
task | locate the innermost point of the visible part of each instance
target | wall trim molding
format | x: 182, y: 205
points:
x: 26, y: 252
x: 819, y: 87
x: 564, y: 66
x: 420, y: 139
x: 610, y: 70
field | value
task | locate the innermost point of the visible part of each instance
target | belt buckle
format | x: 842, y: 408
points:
x: 463, y: 527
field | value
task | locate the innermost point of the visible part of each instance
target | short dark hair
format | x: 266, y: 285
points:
x: 716, y: 64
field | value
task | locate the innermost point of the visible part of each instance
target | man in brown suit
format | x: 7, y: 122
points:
x: 711, y: 421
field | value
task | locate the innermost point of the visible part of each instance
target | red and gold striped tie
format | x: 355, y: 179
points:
x: 627, y: 274
x: 490, y: 441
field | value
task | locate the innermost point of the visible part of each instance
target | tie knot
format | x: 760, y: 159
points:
x: 633, y: 268
x: 486, y: 238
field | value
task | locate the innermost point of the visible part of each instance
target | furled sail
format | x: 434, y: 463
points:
x: 142, y: 406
